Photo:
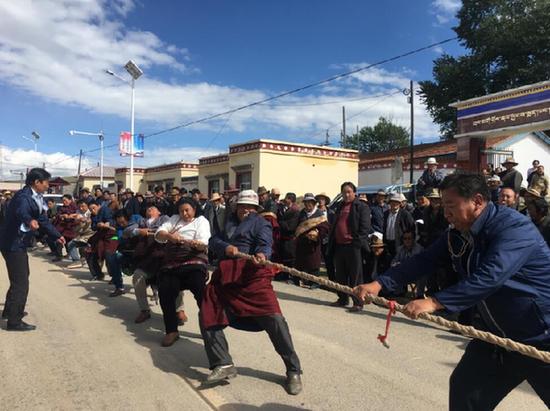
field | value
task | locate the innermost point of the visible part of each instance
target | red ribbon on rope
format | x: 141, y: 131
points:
x: 391, y: 312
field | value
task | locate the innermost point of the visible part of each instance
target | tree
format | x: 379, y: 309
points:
x: 508, y: 44
x: 384, y: 136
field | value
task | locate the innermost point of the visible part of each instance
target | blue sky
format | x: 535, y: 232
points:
x: 200, y: 58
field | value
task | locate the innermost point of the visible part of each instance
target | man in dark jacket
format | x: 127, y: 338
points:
x: 511, y: 177
x: 240, y: 294
x: 430, y: 178
x: 377, y: 211
x: 397, y: 221
x: 348, y: 240
x: 503, y: 263
x: 25, y: 215
x: 131, y: 205
x: 288, y: 222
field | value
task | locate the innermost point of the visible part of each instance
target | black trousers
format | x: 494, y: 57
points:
x: 17, y: 263
x: 94, y: 266
x: 187, y: 277
x: 329, y: 263
x: 487, y: 373
x: 217, y: 349
x: 348, y: 263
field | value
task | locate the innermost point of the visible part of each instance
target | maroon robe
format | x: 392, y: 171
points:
x: 241, y: 288
x: 308, y: 251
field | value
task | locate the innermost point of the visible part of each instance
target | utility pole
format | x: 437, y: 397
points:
x: 343, y: 125
x: 78, y: 173
x: 410, y: 99
x: 327, y: 143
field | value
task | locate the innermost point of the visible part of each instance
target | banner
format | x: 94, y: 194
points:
x: 125, y: 144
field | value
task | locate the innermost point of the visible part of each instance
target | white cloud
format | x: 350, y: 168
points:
x: 58, y: 50
x: 445, y: 10
x: 13, y: 161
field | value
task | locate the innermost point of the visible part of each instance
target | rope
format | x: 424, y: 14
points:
x: 465, y: 330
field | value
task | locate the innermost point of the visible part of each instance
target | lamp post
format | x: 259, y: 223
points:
x: 21, y: 176
x: 135, y: 72
x: 34, y: 139
x: 410, y: 99
x: 101, y: 138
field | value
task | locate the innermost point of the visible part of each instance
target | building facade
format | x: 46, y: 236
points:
x: 291, y: 167
x: 181, y: 174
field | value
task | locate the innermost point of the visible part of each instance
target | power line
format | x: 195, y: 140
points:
x: 322, y: 103
x: 299, y: 89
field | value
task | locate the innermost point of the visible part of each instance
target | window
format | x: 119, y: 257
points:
x: 244, y: 180
x: 213, y: 186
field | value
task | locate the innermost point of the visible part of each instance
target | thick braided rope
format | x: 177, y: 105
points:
x: 467, y: 331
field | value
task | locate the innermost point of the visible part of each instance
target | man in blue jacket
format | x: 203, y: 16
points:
x: 25, y: 215
x: 504, y: 269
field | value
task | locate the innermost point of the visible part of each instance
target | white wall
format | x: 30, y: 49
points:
x: 383, y: 176
x: 528, y: 149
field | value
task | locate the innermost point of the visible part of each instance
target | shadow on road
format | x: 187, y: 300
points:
x: 265, y: 407
x: 182, y: 359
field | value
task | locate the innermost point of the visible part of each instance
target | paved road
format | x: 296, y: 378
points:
x: 88, y: 354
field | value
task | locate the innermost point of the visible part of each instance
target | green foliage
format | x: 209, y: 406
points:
x: 384, y: 136
x: 509, y: 46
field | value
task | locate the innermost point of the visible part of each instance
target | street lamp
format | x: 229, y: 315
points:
x: 101, y: 138
x: 134, y: 71
x: 21, y: 175
x: 34, y: 139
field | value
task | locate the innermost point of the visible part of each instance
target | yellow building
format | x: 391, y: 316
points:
x: 179, y: 174
x: 291, y: 167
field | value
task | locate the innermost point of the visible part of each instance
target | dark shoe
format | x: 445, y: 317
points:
x: 21, y: 326
x: 355, y: 309
x: 314, y: 286
x: 338, y: 304
x: 56, y: 259
x: 117, y: 292
x: 221, y: 373
x: 169, y: 339
x: 142, y: 317
x: 182, y: 317
x: 293, y: 384
x: 5, y: 316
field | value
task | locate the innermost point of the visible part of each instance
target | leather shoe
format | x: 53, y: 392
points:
x: 182, y: 317
x: 21, y: 326
x: 4, y: 315
x: 293, y: 383
x: 338, y: 304
x: 143, y: 316
x: 169, y: 339
x: 221, y: 373
x: 117, y: 292
x: 355, y: 309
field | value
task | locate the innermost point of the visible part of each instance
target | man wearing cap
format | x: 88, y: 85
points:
x: 377, y: 211
x: 494, y: 184
x: 539, y: 181
x: 502, y: 261
x: 511, y: 177
x: 430, y: 178
x: 131, y: 204
x: 397, y: 221
x: 173, y: 201
x: 160, y: 201
x: 263, y: 197
x: 311, y: 231
x: 241, y: 295
x: 215, y: 214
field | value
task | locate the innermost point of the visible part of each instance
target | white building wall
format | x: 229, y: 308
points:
x: 382, y: 176
x: 528, y: 149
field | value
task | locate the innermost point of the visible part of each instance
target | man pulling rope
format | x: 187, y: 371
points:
x: 504, y: 265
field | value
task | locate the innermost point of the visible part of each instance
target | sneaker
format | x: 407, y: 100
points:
x: 74, y: 265
x: 293, y: 383
x: 221, y: 373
